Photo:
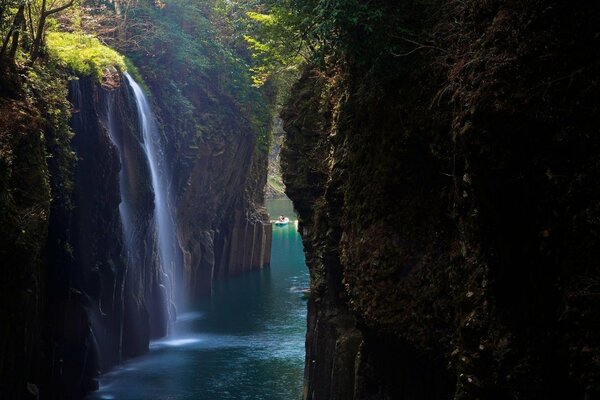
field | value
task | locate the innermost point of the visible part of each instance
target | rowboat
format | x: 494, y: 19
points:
x: 282, y: 222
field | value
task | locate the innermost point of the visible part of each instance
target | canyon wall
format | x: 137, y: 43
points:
x: 445, y: 175
x: 103, y: 300
x: 24, y: 209
x: 219, y: 175
x: 84, y: 288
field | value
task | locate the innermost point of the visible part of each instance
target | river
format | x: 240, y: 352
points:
x: 245, y: 342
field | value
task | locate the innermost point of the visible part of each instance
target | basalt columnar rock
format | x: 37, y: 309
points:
x: 214, y: 128
x: 84, y: 287
x: 103, y: 302
x: 448, y: 201
x: 121, y: 302
x: 219, y: 174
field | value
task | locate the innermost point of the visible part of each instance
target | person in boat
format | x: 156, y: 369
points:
x: 281, y: 218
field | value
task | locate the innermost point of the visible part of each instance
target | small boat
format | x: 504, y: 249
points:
x: 282, y: 222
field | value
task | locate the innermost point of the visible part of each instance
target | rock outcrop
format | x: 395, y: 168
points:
x: 447, y: 196
x: 214, y: 127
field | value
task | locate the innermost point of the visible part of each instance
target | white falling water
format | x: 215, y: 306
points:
x: 163, y: 217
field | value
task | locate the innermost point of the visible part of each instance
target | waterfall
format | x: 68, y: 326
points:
x: 163, y: 218
x: 147, y: 293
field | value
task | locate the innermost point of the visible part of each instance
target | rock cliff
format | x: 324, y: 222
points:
x: 83, y: 291
x: 219, y: 175
x: 103, y: 301
x: 447, y: 198
x: 24, y: 209
x: 86, y: 287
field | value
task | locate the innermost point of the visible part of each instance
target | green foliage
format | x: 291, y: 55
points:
x: 83, y: 54
x: 198, y: 66
x: 322, y: 31
x: 7, y: 10
x: 275, y: 186
x: 274, y: 44
x: 23, y: 27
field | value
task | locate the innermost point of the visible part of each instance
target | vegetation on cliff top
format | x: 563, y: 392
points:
x: 50, y: 31
x: 195, y: 65
x: 83, y: 54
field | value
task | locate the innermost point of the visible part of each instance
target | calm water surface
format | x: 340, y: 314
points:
x: 245, y: 342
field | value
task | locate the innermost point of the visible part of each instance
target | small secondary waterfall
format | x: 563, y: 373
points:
x: 131, y: 239
x: 163, y: 218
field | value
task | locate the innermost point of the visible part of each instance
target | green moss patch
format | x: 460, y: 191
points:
x: 83, y: 54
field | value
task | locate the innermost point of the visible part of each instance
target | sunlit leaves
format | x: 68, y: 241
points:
x: 274, y: 43
x: 83, y: 54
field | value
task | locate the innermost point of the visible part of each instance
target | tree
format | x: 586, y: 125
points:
x: 17, y: 26
x: 47, y: 9
x: 28, y: 19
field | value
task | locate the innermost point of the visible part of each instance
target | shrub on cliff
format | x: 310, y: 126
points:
x: 83, y: 54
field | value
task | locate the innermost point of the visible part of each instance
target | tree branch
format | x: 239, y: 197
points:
x: 59, y: 9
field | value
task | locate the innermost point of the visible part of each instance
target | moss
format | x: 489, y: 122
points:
x: 83, y: 54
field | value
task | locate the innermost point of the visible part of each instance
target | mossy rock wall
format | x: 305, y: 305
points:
x: 24, y: 211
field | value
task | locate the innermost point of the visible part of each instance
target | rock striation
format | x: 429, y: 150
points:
x: 218, y: 186
x: 103, y: 301
x: 24, y: 209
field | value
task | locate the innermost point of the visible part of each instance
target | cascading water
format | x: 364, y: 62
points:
x: 163, y: 218
x: 147, y: 288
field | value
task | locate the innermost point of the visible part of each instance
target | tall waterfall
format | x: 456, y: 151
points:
x: 147, y: 287
x: 163, y: 218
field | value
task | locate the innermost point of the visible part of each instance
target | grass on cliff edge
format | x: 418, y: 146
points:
x: 83, y: 54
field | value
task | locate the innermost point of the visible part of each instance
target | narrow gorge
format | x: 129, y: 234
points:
x: 116, y: 270
x: 434, y: 165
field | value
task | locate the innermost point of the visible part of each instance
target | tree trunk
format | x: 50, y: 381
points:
x: 117, y: 4
x: 44, y: 14
x: 17, y: 24
x: 37, y: 40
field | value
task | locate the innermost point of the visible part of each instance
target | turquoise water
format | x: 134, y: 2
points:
x: 245, y: 343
